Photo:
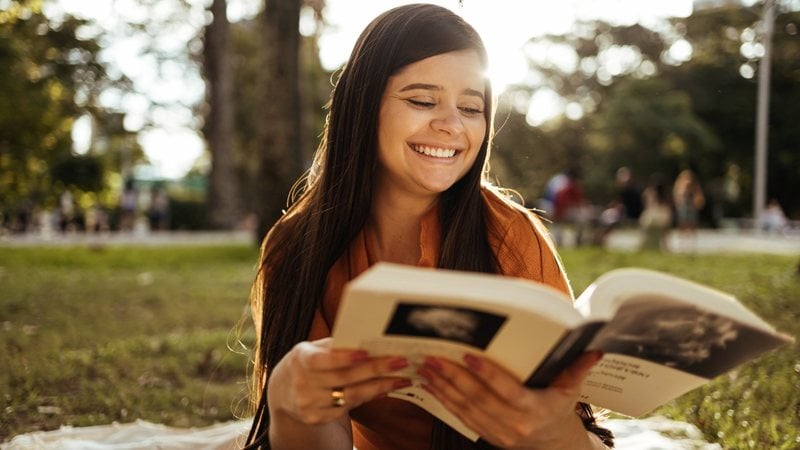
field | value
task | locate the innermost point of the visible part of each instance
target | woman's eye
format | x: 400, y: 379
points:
x: 471, y: 111
x: 421, y: 103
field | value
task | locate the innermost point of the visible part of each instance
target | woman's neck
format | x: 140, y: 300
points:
x: 395, y: 227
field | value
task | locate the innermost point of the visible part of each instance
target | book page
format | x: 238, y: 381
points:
x: 603, y: 297
x: 682, y: 336
x: 497, y: 292
x: 633, y: 386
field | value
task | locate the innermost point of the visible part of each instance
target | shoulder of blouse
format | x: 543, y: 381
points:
x: 510, y: 216
x: 521, y: 242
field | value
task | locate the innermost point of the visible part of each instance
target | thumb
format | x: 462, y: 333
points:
x: 574, y: 375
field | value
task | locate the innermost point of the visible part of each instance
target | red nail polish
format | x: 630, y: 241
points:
x: 400, y: 384
x: 424, y: 373
x: 399, y: 363
x: 433, y: 364
x: 473, y: 362
x: 359, y: 355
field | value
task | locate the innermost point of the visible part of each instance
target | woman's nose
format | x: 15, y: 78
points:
x: 449, y: 122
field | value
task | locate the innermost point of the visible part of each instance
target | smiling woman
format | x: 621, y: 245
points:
x: 400, y: 177
x: 431, y: 125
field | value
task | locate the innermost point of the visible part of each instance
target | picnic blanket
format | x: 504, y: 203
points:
x: 654, y: 433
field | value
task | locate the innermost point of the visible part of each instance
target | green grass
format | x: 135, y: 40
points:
x: 118, y: 334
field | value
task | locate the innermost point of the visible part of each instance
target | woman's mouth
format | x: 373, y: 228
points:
x: 436, y: 152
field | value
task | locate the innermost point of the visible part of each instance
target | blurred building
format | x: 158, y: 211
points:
x: 703, y: 4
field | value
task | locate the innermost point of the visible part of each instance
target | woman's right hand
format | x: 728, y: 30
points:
x: 303, y: 383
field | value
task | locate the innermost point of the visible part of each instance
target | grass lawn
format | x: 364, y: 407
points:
x: 92, y: 336
x: 118, y: 334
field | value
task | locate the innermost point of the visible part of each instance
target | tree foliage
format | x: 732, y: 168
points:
x: 726, y: 101
x: 43, y: 65
x: 643, y: 107
x: 51, y: 76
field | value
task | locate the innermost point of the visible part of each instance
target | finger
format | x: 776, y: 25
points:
x: 362, y: 371
x: 461, y: 384
x: 326, y: 408
x: 472, y: 410
x: 468, y: 393
x: 504, y: 385
x: 318, y: 355
x: 360, y: 393
x: 575, y: 374
x: 476, y: 422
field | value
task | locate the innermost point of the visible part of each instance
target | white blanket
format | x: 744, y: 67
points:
x: 139, y: 435
x: 655, y: 433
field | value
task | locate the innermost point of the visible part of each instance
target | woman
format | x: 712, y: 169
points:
x: 688, y: 198
x: 398, y: 177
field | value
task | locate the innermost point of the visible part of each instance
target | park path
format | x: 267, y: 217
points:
x: 704, y: 241
x: 711, y: 241
x: 155, y: 239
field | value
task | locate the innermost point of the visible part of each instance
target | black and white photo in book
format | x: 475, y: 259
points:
x: 679, y: 335
x: 464, y: 325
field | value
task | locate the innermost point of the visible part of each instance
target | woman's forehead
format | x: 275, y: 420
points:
x: 460, y: 69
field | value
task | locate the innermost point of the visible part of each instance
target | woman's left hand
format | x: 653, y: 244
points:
x: 504, y: 412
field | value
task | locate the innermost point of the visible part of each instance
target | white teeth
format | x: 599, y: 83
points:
x: 435, y: 152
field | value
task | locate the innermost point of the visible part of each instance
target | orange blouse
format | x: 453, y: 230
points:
x: 523, y: 249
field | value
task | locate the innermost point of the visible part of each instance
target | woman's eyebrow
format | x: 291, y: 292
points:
x: 424, y: 86
x: 433, y: 87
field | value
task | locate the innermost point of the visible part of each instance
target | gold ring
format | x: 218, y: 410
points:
x: 337, y: 397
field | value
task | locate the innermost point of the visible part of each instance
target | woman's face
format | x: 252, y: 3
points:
x: 431, y: 124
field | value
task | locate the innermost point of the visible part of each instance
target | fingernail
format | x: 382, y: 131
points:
x: 473, y: 362
x: 424, y: 373
x: 398, y: 363
x: 433, y: 364
x: 400, y: 384
x: 359, y: 355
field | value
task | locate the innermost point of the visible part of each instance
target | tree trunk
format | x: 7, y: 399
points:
x: 223, y: 204
x: 280, y: 125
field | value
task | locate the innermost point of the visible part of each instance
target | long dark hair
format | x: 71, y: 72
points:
x: 334, y: 204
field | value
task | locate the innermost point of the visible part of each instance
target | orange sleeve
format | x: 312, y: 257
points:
x: 527, y: 241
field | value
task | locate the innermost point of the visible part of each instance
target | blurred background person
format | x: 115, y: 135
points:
x: 773, y: 219
x: 629, y: 196
x: 571, y: 210
x: 656, y: 218
x: 158, y: 210
x: 688, y: 198
x: 128, y: 202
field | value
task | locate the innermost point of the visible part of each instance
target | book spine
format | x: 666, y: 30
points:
x: 567, y: 350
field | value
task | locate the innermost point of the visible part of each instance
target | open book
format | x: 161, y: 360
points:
x: 662, y: 335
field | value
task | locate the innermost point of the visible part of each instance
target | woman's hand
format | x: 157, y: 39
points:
x: 306, y: 382
x: 505, y: 413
